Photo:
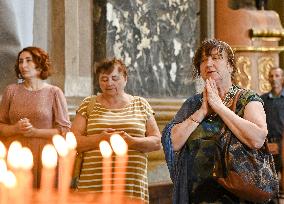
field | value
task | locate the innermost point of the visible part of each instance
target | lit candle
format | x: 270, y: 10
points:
x: 71, y: 140
x: 3, y: 171
x: 10, y: 182
x: 49, y: 162
x: 26, y: 164
x: 71, y: 144
x: 106, y: 152
x: 14, y: 158
x: 14, y: 154
x: 63, y: 171
x: 120, y: 148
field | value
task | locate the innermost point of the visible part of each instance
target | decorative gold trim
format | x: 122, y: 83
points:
x: 243, y: 76
x: 258, y: 49
x: 266, y: 33
x: 264, y: 65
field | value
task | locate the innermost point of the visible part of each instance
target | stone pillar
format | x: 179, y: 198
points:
x: 57, y: 42
x: 207, y: 21
x: 42, y: 31
x: 72, y: 46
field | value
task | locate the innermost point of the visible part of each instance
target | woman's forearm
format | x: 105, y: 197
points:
x: 86, y: 143
x: 145, y: 144
x: 251, y: 130
x: 42, y: 133
x: 181, y: 131
x: 8, y: 130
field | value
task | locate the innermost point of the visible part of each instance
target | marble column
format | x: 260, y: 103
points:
x: 156, y: 40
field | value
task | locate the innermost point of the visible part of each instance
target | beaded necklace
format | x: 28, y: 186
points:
x: 230, y: 95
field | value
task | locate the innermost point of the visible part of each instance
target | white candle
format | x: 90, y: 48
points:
x: 14, y: 159
x: 71, y: 140
x: 63, y: 171
x: 14, y: 155
x: 26, y: 165
x: 71, y: 144
x: 3, y: 172
x: 48, y: 175
x: 106, y: 152
x: 120, y: 148
x: 10, y: 182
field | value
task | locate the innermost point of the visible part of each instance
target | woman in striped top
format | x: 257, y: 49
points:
x: 114, y: 111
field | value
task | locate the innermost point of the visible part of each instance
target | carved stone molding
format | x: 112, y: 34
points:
x: 243, y: 75
x: 264, y: 64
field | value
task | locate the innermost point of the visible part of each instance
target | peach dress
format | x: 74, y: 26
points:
x: 45, y: 108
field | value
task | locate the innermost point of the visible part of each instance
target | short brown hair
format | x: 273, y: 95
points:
x: 275, y: 68
x: 206, y: 47
x: 108, y: 65
x: 41, y: 60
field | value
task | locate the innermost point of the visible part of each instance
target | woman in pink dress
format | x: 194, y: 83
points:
x: 33, y: 111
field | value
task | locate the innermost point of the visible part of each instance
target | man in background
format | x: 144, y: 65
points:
x: 274, y: 109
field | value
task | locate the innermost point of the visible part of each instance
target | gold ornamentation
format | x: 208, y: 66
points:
x: 254, y: 32
x: 264, y: 65
x: 258, y: 49
x: 243, y: 76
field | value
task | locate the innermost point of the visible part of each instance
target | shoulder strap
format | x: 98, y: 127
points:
x: 233, y: 107
x: 91, y: 105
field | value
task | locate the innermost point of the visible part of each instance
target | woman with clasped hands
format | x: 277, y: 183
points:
x: 115, y: 111
x: 33, y: 111
x: 201, y: 116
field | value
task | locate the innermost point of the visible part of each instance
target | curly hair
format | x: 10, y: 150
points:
x: 108, y: 65
x: 206, y: 48
x: 41, y: 60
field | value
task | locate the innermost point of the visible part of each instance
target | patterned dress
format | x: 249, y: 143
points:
x: 131, y: 119
x: 45, y: 108
x: 191, y: 168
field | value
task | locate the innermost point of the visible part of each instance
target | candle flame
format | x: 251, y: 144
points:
x: 71, y: 140
x: 10, y: 180
x: 49, y: 156
x: 2, y: 150
x: 105, y: 148
x: 60, y: 145
x: 26, y: 162
x: 118, y: 144
x: 14, y: 154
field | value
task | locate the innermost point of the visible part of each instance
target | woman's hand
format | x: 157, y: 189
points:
x: 205, y: 108
x: 213, y: 98
x: 24, y: 127
x: 105, y: 134
x: 127, y: 138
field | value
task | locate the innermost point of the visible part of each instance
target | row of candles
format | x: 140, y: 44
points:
x: 16, y: 175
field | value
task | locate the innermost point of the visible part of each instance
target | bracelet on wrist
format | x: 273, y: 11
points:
x: 194, y: 120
